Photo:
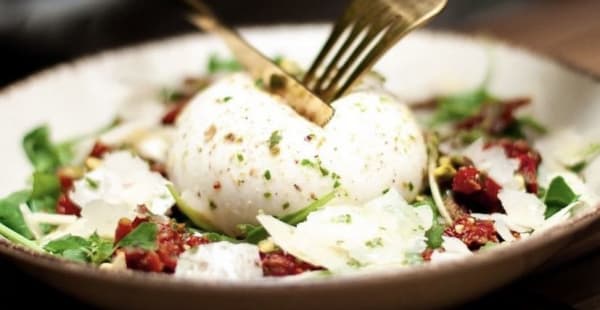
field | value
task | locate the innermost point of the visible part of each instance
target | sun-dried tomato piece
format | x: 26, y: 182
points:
x: 279, y: 264
x: 172, y: 239
x: 427, y: 253
x: 473, y: 232
x: 171, y: 116
x: 467, y: 180
x: 194, y: 241
x: 65, y: 205
x: 66, y: 180
x: 529, y: 160
x: 143, y: 260
x: 160, y: 168
x: 494, y: 117
x: 100, y: 149
x: 476, y: 191
x: 124, y: 227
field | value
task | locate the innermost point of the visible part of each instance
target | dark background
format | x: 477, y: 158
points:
x: 35, y: 34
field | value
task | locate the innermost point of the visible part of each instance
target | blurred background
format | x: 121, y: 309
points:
x: 35, y: 34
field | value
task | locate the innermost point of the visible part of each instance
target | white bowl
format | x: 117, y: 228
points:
x: 82, y: 96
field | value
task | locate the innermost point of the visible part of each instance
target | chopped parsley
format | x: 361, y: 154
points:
x: 374, y: 243
x: 354, y: 263
x: 142, y: 237
x: 274, y: 140
x: 267, y: 175
x: 336, y: 184
x: 558, y: 195
x: 224, y: 99
x: 218, y: 64
x: 342, y: 219
x: 285, y: 206
x: 307, y: 163
x: 240, y: 157
x: 267, y: 195
x: 212, y: 205
x: 91, y: 183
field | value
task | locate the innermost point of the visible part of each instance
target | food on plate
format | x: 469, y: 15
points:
x: 218, y: 179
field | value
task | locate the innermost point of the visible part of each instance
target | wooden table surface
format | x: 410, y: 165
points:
x: 565, y: 29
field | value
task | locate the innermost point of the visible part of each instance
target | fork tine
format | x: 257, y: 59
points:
x: 339, y: 28
x: 367, y: 63
x: 374, y: 33
x: 357, y: 29
x: 376, y: 26
x: 334, y: 36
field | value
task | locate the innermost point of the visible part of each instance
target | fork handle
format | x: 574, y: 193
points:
x: 260, y: 67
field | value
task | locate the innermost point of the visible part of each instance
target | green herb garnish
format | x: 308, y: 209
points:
x: 142, y: 237
x: 218, y: 64
x: 93, y: 250
x: 558, y: 196
x: 259, y: 233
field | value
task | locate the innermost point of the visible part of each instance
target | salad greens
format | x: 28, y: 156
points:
x: 471, y: 115
x: 93, y: 250
x: 143, y: 237
x: 558, y: 195
x: 10, y: 215
x: 460, y: 106
x: 586, y: 156
x: 217, y: 64
x: 255, y: 234
x: 44, y: 155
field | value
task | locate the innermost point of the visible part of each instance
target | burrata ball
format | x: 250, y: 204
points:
x: 240, y: 151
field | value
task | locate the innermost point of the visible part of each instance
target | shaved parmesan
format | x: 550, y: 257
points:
x: 341, y: 238
x: 220, y: 261
x: 495, y: 163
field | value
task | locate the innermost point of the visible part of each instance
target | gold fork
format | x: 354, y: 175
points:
x: 261, y: 68
x: 366, y: 30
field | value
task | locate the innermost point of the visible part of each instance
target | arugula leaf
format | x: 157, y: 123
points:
x: 587, y: 155
x: 17, y: 238
x: 196, y: 218
x: 216, y: 237
x: 94, y: 250
x: 258, y: 233
x: 459, y: 106
x: 301, y: 215
x: 45, y: 184
x: 434, y: 234
x: 42, y: 154
x: 11, y: 216
x: 68, y: 242
x: 531, y: 123
x: 522, y: 125
x: 42, y: 198
x: 44, y: 195
x: 218, y: 64
x: 558, y: 196
x: 69, y: 247
x: 101, y: 249
x: 143, y: 237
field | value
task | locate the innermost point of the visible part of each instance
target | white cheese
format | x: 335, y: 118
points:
x: 123, y: 178
x: 522, y: 208
x: 386, y: 231
x: 220, y: 261
x: 495, y: 163
x: 454, y: 249
x: 232, y: 135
